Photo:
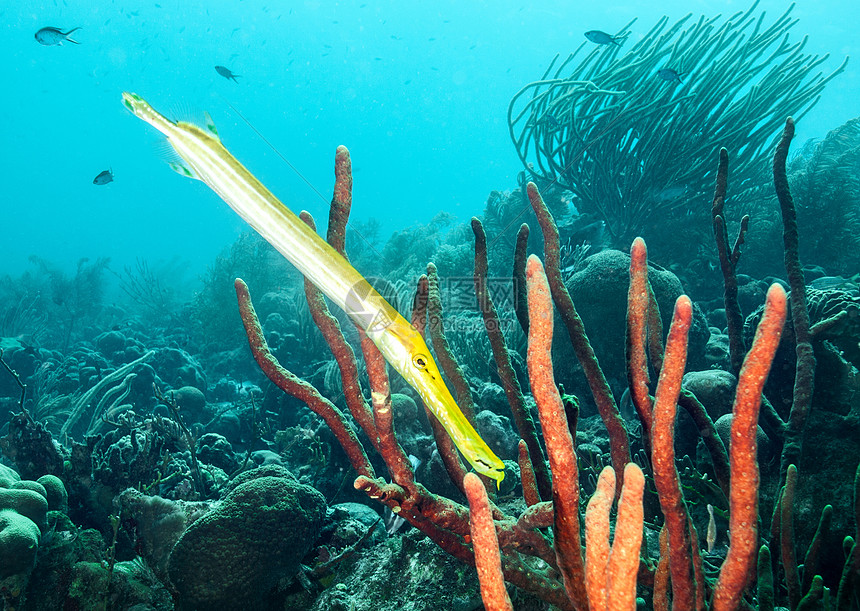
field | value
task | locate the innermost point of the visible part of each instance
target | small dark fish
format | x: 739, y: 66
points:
x: 625, y: 406
x: 550, y: 118
x: 833, y: 282
x: 226, y: 73
x: 670, y: 193
x: 667, y: 74
x: 103, y: 178
x: 54, y: 36
x: 602, y: 38
x: 591, y: 233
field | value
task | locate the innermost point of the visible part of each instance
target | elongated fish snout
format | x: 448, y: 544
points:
x: 141, y: 109
x: 132, y: 101
x: 138, y: 106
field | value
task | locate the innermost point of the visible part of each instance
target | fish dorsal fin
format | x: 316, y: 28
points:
x: 210, y: 125
x: 183, y: 170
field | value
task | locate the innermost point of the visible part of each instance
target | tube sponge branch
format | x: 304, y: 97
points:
x: 537, y: 544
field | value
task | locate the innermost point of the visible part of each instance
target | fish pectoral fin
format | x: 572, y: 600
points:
x: 183, y: 170
x: 210, y: 126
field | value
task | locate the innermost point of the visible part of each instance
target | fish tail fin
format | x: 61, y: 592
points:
x: 619, y: 40
x: 69, y: 33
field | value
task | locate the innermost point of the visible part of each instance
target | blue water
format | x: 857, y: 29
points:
x: 417, y: 91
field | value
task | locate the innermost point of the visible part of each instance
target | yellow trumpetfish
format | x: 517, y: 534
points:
x: 401, y: 345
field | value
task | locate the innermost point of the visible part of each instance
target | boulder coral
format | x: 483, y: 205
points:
x: 233, y: 556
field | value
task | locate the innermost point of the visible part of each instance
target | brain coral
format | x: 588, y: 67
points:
x: 23, y: 519
x: 19, y: 542
x: 233, y: 556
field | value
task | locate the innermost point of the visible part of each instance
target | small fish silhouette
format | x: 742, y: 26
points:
x: 550, y: 118
x: 104, y: 177
x: 226, y: 73
x: 54, y: 36
x: 602, y: 38
x: 667, y: 74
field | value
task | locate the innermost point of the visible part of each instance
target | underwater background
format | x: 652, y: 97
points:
x: 419, y: 94
x: 148, y: 462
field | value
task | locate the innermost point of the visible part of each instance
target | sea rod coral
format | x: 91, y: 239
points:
x: 634, y: 147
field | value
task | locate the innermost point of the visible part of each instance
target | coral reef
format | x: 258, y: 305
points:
x: 152, y: 465
x: 444, y: 521
x: 825, y: 184
x: 408, y: 572
x: 600, y: 285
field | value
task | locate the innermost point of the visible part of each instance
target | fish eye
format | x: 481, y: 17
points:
x: 419, y: 360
